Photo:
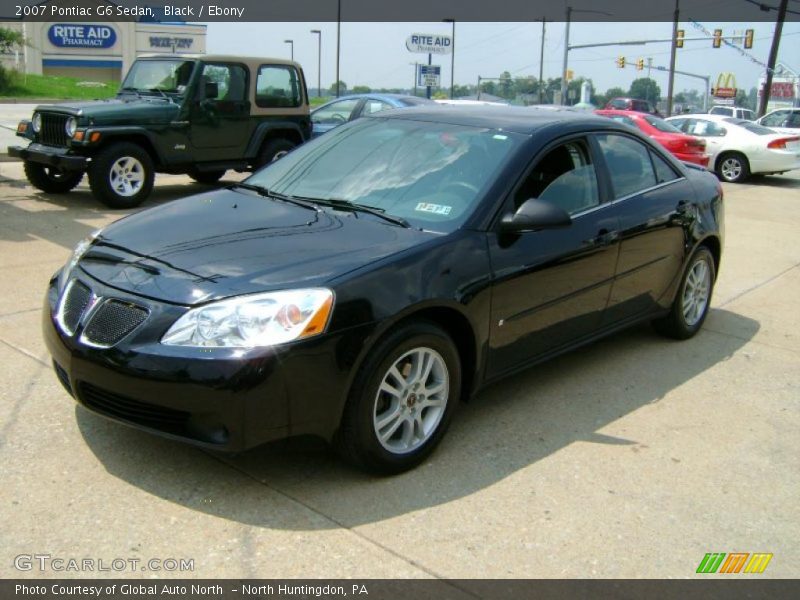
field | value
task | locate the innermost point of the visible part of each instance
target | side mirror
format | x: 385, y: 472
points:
x: 535, y: 214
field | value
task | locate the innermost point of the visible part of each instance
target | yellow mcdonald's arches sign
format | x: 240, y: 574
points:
x: 726, y: 86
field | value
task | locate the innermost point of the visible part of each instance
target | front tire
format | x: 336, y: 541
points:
x: 402, y: 400
x: 733, y: 167
x: 122, y: 175
x: 691, y: 304
x: 50, y: 179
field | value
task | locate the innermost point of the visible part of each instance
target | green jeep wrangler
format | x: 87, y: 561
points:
x: 198, y: 114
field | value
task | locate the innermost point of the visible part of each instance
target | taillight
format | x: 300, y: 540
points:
x: 780, y: 143
x: 696, y: 142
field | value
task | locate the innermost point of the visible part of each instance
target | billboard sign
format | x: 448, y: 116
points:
x: 427, y: 43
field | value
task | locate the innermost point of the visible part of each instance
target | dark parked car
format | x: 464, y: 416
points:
x: 340, y: 111
x: 199, y: 115
x: 360, y: 287
x: 632, y: 104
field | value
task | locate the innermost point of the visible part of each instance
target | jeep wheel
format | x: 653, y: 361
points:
x: 272, y: 150
x: 50, y: 179
x: 207, y: 177
x: 122, y: 175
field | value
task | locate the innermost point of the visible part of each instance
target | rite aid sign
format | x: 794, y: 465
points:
x: 70, y: 35
x: 426, y: 43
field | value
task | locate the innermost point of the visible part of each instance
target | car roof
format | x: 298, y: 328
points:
x: 251, y: 61
x: 517, y: 119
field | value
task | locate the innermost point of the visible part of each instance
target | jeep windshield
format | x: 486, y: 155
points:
x: 158, y: 77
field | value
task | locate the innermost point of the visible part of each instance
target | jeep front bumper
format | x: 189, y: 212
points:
x: 50, y: 156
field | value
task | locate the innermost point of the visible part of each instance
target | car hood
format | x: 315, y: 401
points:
x: 230, y: 242
x: 128, y: 110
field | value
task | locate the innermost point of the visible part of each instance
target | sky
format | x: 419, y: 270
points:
x: 374, y: 54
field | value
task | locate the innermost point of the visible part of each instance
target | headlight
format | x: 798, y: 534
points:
x: 77, y: 253
x: 36, y: 122
x: 254, y: 321
x: 71, y: 126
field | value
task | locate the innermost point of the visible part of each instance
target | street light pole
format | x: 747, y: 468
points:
x: 338, y: 41
x: 566, y: 58
x: 673, y: 50
x: 319, y: 60
x: 452, y: 57
x: 291, y: 45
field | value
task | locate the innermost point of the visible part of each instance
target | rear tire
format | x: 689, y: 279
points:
x: 402, y: 400
x: 272, y: 150
x: 733, y: 167
x: 122, y: 175
x: 207, y: 177
x: 50, y: 179
x: 691, y: 304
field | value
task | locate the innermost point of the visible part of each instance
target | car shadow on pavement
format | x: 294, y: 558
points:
x: 508, y: 427
x: 773, y: 181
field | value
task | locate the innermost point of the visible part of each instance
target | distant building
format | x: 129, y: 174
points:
x: 99, y: 47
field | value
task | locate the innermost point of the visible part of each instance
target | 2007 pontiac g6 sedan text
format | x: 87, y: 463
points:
x: 360, y: 287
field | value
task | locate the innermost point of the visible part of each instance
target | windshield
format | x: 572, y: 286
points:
x: 430, y: 174
x: 661, y: 125
x: 750, y: 126
x: 170, y: 76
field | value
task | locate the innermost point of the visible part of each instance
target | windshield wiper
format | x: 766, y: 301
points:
x: 131, y: 89
x: 372, y: 210
x: 262, y: 191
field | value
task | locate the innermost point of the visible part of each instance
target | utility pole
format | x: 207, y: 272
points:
x: 338, y: 41
x: 541, y: 62
x: 773, y: 58
x: 671, y: 84
x: 566, y: 56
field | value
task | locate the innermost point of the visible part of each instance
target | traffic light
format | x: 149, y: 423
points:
x: 717, y: 38
x: 570, y: 74
x: 748, y: 38
x: 621, y: 62
x: 679, y: 38
x: 640, y: 64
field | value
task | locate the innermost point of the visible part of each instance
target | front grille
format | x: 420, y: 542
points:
x: 128, y: 409
x: 76, y: 298
x: 62, y: 377
x: 53, y: 132
x: 112, y: 321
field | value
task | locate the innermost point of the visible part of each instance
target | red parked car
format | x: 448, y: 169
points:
x: 684, y: 147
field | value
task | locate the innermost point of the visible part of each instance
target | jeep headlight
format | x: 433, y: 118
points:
x: 71, y: 126
x: 255, y: 320
x: 77, y: 254
x: 36, y: 122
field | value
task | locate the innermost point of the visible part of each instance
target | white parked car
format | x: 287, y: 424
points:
x: 733, y: 111
x: 739, y: 148
x: 783, y: 120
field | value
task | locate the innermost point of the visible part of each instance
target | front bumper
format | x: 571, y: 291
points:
x: 51, y: 156
x: 222, y: 399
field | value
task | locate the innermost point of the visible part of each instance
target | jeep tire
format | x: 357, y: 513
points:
x: 50, y: 179
x: 272, y: 150
x: 207, y: 177
x: 121, y: 175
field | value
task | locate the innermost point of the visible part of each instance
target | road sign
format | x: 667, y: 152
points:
x: 428, y: 43
x: 429, y: 75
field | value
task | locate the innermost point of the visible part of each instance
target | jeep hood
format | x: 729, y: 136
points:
x: 128, y: 110
x: 230, y: 242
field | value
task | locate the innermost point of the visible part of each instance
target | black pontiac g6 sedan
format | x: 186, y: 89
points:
x: 358, y: 288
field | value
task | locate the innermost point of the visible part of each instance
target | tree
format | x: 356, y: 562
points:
x: 615, y: 92
x: 361, y: 89
x: 645, y: 88
x: 342, y: 88
x: 10, y: 40
x: 505, y: 85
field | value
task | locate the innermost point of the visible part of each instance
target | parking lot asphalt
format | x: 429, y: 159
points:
x: 632, y: 457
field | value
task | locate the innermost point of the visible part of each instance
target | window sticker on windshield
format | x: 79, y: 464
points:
x: 437, y: 209
x: 500, y: 137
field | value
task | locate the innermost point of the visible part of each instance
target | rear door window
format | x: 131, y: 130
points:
x: 278, y: 86
x: 630, y: 167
